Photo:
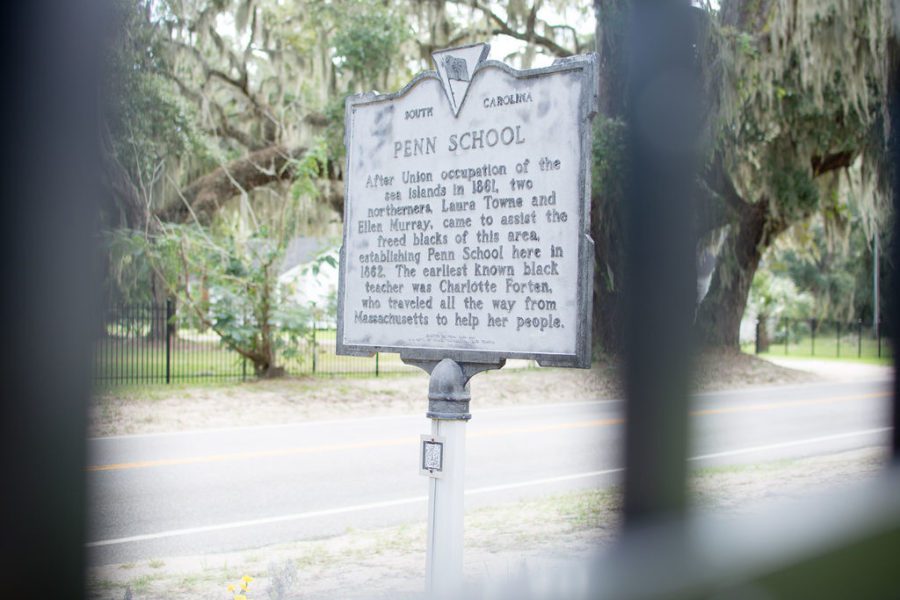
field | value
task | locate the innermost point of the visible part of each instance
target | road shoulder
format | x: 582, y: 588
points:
x: 165, y: 409
x: 500, y: 539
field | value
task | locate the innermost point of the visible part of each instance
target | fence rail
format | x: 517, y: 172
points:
x: 152, y: 344
x: 819, y: 338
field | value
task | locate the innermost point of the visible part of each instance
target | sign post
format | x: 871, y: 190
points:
x: 443, y: 459
x: 466, y: 220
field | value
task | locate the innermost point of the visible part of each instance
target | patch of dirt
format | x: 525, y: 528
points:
x: 499, y: 540
x: 727, y: 369
x: 160, y: 409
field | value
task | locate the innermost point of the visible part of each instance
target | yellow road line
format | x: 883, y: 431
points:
x: 165, y: 462
x: 497, y: 432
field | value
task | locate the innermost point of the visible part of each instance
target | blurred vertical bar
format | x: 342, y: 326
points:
x: 892, y: 124
x: 663, y: 127
x: 48, y: 227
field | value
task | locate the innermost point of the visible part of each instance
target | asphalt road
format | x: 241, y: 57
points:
x: 225, y: 490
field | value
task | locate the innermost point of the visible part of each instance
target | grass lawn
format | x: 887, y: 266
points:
x: 828, y: 348
x: 136, y: 360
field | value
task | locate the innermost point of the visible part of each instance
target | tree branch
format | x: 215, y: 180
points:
x: 830, y: 162
x: 117, y: 181
x: 503, y: 28
x: 205, y: 195
x: 239, y: 84
x: 718, y: 180
x: 254, y: 357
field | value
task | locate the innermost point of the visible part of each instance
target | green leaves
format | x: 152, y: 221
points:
x: 227, y: 277
x: 308, y: 169
x: 793, y: 187
x: 367, y: 40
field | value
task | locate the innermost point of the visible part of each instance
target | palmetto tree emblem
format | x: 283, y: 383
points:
x: 456, y: 70
x: 456, y: 67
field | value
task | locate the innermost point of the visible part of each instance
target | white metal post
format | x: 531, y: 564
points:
x: 444, y: 555
x: 448, y: 409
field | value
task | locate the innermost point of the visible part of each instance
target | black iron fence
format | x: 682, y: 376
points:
x: 819, y: 338
x: 149, y: 344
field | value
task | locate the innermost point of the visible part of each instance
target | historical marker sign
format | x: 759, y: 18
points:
x: 466, y: 214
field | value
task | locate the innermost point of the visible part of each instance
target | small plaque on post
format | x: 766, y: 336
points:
x: 432, y: 456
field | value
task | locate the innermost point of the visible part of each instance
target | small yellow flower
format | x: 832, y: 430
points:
x: 240, y: 597
x: 244, y: 586
x: 246, y: 579
x: 230, y: 587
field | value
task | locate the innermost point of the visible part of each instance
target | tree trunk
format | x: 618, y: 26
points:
x: 120, y: 188
x: 207, y: 193
x: 266, y: 354
x: 608, y: 193
x: 609, y: 257
x: 158, y: 321
x: 204, y: 300
x: 762, y: 333
x: 719, y: 316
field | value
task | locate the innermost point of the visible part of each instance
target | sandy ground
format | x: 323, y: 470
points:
x: 153, y: 409
x: 504, y: 539
x: 836, y: 370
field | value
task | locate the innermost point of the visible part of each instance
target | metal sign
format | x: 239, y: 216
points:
x: 466, y: 214
x: 432, y: 456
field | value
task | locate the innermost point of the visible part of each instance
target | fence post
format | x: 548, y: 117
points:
x: 838, y: 339
x: 787, y: 334
x: 859, y: 338
x: 244, y: 369
x: 878, y: 335
x: 170, y: 313
x: 758, y: 325
x: 314, y: 348
x: 812, y: 337
x: 376, y: 363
